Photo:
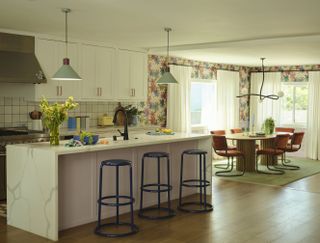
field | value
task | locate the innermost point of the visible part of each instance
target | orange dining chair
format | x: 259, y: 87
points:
x: 278, y: 149
x: 236, y: 130
x: 220, y: 146
x: 294, y: 145
x: 219, y: 133
x: 284, y: 129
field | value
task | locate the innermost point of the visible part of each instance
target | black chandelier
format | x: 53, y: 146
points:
x: 260, y: 95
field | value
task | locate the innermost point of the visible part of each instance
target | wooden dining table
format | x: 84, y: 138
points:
x: 246, y: 143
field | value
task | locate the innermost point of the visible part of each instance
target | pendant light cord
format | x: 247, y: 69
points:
x: 66, y: 32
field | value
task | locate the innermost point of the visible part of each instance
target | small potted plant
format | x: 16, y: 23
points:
x: 268, y: 126
x: 132, y: 114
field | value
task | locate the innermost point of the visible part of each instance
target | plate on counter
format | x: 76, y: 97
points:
x: 154, y: 133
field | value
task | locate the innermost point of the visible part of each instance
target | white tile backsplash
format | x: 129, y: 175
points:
x: 15, y: 111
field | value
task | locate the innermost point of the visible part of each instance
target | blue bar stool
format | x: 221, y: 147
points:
x: 106, y: 201
x: 156, y: 188
x: 201, y: 183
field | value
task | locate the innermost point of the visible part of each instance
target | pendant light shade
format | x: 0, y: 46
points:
x: 66, y: 72
x: 167, y: 77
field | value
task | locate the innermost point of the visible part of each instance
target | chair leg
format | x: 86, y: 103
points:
x: 227, y: 173
x: 271, y: 171
x: 222, y: 166
x: 284, y: 164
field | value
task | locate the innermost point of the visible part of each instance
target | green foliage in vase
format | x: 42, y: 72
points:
x: 54, y: 115
x: 268, y: 125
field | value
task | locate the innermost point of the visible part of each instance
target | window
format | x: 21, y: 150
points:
x: 202, y: 102
x: 294, y: 104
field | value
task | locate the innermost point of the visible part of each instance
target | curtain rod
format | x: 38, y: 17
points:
x: 189, y: 65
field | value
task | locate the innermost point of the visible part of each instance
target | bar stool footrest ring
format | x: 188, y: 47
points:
x: 209, y: 207
x: 171, y: 213
x: 165, y: 187
x: 186, y: 183
x: 114, y: 204
x: 98, y: 231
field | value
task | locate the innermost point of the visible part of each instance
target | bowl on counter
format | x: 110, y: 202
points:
x: 86, y: 139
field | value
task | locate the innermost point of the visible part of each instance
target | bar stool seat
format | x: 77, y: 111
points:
x: 101, y: 229
x: 116, y: 162
x: 195, y: 151
x: 156, y: 154
x: 200, y: 183
x: 156, y: 188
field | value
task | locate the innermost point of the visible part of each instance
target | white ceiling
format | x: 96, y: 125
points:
x: 234, y: 31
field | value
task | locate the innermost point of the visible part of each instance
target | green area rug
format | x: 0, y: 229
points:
x: 308, y: 167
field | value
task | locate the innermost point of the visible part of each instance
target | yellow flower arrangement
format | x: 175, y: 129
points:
x: 54, y: 115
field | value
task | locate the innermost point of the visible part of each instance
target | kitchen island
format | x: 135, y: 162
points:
x: 52, y: 188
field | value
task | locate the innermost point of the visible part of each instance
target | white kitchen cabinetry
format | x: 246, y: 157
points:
x: 132, y: 75
x: 98, y: 72
x: 50, y: 54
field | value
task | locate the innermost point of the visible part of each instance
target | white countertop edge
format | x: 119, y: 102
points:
x: 143, y: 140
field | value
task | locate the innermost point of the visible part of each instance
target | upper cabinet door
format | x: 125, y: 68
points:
x: 124, y: 90
x: 132, y: 70
x: 138, y: 71
x: 89, y: 89
x: 47, y: 54
x: 69, y: 87
x: 105, y: 58
x: 50, y: 54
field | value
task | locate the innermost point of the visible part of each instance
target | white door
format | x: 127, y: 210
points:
x: 138, y: 66
x: 124, y: 90
x: 105, y: 72
x: 89, y: 88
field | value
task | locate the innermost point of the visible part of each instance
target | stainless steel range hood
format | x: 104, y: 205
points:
x: 18, y: 62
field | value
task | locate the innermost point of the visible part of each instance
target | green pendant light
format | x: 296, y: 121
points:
x: 66, y: 72
x: 167, y: 77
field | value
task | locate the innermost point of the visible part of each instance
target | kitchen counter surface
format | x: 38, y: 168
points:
x: 135, y: 140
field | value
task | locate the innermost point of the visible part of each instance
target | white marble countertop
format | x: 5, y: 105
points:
x: 135, y: 140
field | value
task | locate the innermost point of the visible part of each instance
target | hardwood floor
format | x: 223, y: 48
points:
x: 243, y: 213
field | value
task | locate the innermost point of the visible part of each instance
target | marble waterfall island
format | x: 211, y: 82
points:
x: 52, y: 188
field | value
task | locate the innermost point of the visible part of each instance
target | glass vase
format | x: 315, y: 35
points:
x: 54, y: 135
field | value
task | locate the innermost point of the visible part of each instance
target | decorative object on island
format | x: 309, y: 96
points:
x: 268, y: 126
x: 132, y: 114
x: 261, y: 96
x: 87, y: 138
x: 167, y: 77
x: 66, y: 72
x: 54, y: 115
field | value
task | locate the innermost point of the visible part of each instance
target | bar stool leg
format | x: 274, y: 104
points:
x: 100, y: 197
x: 131, y: 196
x: 181, y: 177
x: 159, y: 197
x: 142, y: 183
x: 200, y: 172
x: 117, y: 192
x: 168, y: 174
x: 204, y: 178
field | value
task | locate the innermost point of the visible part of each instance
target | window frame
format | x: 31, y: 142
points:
x: 295, y: 85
